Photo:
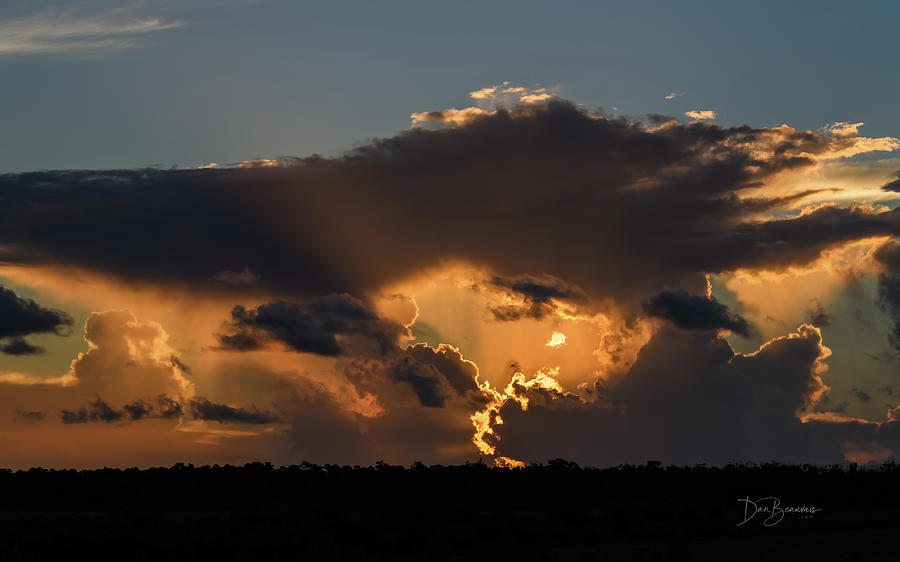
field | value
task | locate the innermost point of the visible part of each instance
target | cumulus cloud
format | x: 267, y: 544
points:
x: 128, y: 363
x: 128, y: 359
x: 688, y: 398
x: 437, y: 374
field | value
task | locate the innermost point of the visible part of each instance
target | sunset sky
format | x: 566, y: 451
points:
x: 351, y: 231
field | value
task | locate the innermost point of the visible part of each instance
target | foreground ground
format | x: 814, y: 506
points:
x: 552, y: 512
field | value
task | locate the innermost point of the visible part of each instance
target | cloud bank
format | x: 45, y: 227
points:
x: 599, y: 233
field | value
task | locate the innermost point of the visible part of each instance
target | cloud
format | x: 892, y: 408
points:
x: 97, y: 411
x: 451, y: 116
x: 18, y: 346
x: 673, y: 95
x: 689, y: 398
x: 243, y: 277
x: 313, y: 326
x: 819, y: 317
x: 692, y: 312
x: 424, y: 379
x: 447, y: 360
x: 437, y: 374
x: 564, y: 220
x: 842, y: 128
x: 888, y: 255
x: 30, y: 416
x: 507, y: 94
x: 699, y: 114
x: 21, y: 317
x: 478, y: 182
x: 165, y: 407
x: 205, y: 410
x: 893, y: 185
x: 490, y: 100
x: 536, y: 97
x: 127, y: 361
x: 68, y: 32
x: 539, y: 296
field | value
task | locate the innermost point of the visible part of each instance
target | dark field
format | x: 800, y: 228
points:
x: 552, y: 512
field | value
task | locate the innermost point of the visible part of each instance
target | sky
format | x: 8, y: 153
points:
x: 350, y: 232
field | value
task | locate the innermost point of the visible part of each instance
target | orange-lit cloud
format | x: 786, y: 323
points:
x: 533, y: 280
x: 700, y: 114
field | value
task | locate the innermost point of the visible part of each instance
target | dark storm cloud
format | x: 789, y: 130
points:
x: 435, y: 375
x: 203, y: 409
x: 138, y: 409
x: 888, y: 254
x: 459, y: 373
x: 21, y: 316
x: 425, y: 380
x: 687, y: 399
x: 538, y: 295
x: 165, y: 407
x: 100, y: 411
x: 168, y: 408
x: 311, y: 326
x: 18, y: 346
x: 606, y: 204
x: 97, y: 411
x: 693, y: 312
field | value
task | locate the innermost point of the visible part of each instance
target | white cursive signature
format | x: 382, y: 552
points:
x: 770, y: 507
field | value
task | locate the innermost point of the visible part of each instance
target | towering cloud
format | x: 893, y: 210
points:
x: 688, y: 398
x: 595, y: 231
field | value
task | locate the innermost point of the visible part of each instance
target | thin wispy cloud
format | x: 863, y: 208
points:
x: 68, y: 32
x: 673, y: 95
